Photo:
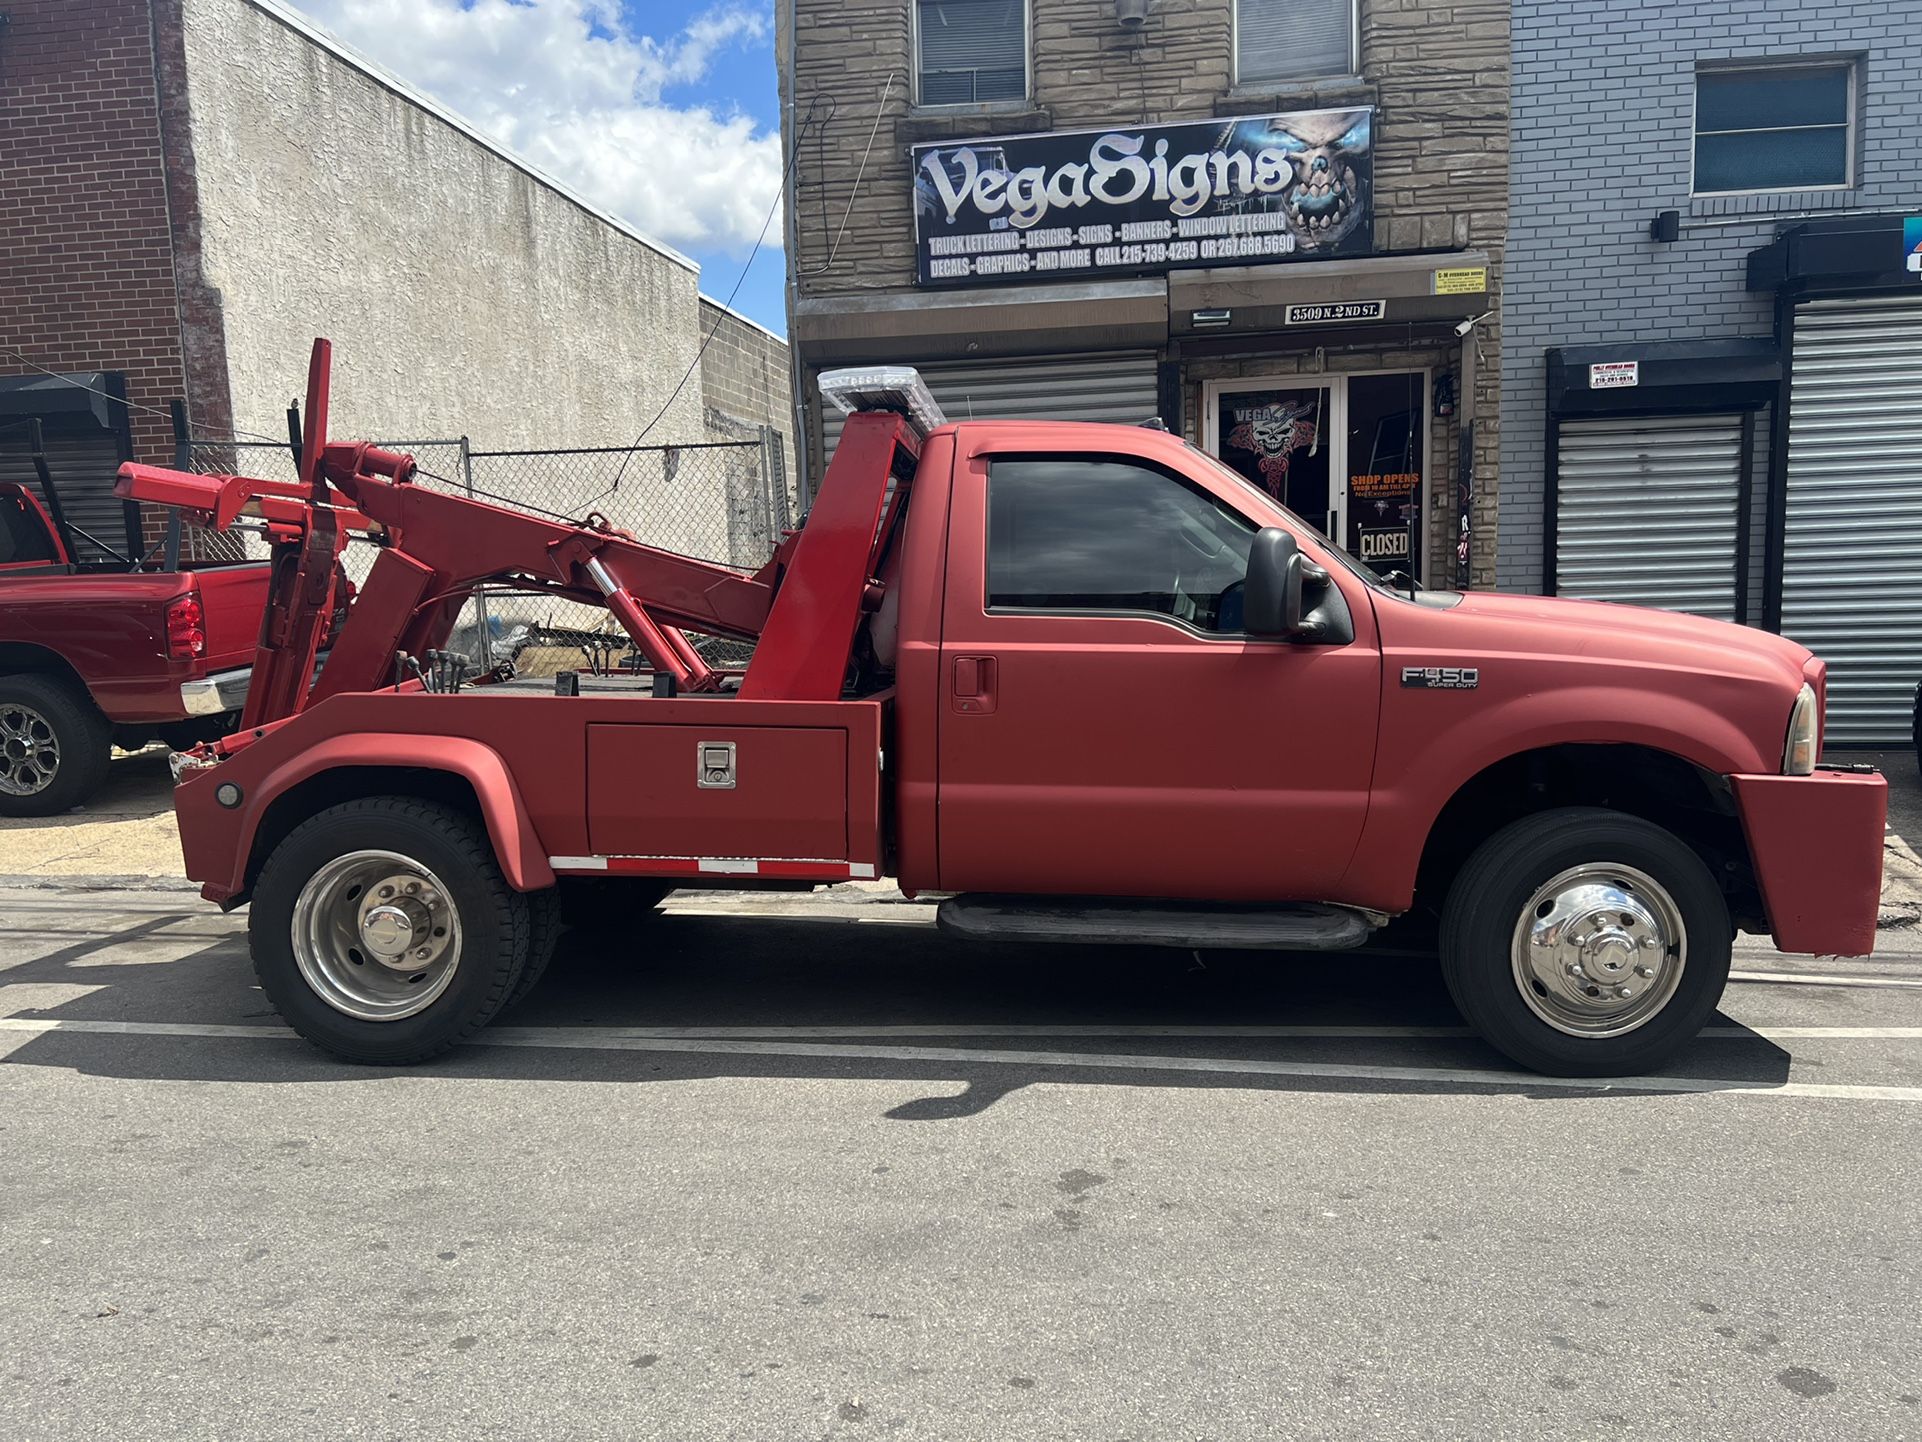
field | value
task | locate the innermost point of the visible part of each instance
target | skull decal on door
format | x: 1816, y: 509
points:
x: 1274, y: 433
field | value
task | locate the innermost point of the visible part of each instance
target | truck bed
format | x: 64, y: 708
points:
x: 613, y: 781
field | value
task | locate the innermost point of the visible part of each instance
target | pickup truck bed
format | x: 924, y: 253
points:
x: 100, y: 654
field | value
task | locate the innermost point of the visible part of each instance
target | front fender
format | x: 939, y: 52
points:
x: 218, y: 842
x: 1433, y: 745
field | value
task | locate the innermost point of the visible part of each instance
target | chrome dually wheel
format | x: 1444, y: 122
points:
x: 384, y: 930
x: 1599, y: 949
x: 376, y: 935
x: 1586, y: 942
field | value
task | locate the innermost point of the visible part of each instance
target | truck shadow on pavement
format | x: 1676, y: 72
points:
x: 691, y: 997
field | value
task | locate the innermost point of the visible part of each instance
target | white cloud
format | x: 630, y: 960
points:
x: 566, y: 84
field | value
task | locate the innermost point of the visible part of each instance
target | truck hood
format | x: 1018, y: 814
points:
x: 1602, y: 629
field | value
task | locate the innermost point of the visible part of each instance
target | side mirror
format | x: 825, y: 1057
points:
x: 1271, y: 603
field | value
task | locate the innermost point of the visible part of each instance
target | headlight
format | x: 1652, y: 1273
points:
x: 1798, y: 755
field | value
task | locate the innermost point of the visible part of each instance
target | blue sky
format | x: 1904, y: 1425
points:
x: 663, y: 112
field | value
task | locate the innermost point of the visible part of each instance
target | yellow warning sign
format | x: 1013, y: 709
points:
x: 1462, y: 280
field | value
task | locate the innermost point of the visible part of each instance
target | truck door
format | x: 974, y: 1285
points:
x: 1105, y: 729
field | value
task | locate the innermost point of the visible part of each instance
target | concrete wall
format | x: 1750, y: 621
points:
x: 463, y: 294
x: 745, y: 386
x: 1602, y: 138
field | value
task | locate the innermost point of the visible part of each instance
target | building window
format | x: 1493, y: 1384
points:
x: 972, y: 51
x: 1293, y: 40
x: 1777, y: 127
x: 1161, y: 548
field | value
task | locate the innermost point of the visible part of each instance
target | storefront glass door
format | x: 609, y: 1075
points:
x: 1283, y: 439
x: 1383, y: 463
x: 1344, y: 453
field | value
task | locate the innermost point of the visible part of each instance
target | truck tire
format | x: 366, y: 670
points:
x: 544, y: 934
x: 1585, y: 942
x: 384, y: 931
x: 53, y: 745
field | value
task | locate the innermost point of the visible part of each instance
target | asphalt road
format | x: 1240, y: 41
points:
x: 829, y: 1174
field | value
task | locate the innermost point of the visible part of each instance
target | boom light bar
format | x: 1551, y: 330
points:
x: 883, y: 388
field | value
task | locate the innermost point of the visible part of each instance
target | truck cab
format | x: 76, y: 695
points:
x: 1085, y: 679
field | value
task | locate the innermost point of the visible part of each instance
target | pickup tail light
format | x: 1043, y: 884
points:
x: 186, y: 629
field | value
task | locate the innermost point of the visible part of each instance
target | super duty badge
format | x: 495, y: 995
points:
x: 1442, y: 678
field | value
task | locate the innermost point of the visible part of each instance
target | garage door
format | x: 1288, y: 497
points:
x: 1852, y: 525
x: 1647, y: 512
x: 1113, y: 387
x: 85, y: 462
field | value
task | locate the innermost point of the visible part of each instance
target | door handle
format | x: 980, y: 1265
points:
x: 976, y: 684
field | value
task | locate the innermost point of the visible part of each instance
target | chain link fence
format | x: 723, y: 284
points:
x: 725, y: 501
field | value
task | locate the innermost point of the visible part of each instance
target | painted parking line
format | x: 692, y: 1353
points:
x: 644, y: 1040
x: 1797, y: 978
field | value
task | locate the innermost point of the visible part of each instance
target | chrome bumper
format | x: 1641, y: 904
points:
x: 211, y: 695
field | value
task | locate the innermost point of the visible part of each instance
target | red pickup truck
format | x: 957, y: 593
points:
x: 1083, y: 677
x: 98, y: 654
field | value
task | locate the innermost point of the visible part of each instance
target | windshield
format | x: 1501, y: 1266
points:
x: 1349, y: 563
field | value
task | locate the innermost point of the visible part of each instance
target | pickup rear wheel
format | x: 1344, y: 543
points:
x: 384, y: 932
x: 53, y: 746
x: 1585, y: 942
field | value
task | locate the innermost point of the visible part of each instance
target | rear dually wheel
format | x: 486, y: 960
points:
x: 384, y: 931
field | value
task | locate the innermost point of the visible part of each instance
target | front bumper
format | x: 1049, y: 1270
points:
x: 1816, y: 842
x: 220, y: 692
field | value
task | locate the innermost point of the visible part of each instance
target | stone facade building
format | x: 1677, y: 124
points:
x: 1712, y: 364
x: 1304, y: 282
x: 190, y: 190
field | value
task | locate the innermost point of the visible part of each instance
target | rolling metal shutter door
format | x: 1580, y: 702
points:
x: 1111, y: 387
x: 1647, y: 512
x: 1852, y: 526
x: 84, y: 461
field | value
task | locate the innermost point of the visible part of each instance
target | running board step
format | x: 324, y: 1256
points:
x: 1130, y: 923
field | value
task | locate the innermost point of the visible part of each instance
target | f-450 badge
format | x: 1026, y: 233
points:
x: 1441, y: 678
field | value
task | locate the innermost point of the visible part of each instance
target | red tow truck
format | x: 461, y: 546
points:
x: 1083, y: 678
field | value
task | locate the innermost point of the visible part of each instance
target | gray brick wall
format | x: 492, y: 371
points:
x: 744, y: 377
x: 1601, y: 137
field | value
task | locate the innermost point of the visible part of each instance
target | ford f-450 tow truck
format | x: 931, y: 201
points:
x: 1082, y: 678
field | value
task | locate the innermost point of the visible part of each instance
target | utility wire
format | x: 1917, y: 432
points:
x: 693, y: 365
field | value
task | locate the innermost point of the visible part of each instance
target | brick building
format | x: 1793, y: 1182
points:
x: 1276, y: 224
x: 192, y: 189
x: 1712, y: 365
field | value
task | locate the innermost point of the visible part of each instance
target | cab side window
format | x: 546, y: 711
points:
x: 1113, y: 537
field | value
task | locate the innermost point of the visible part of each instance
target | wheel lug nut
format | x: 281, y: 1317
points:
x: 1624, y: 992
x: 386, y: 891
x: 1575, y: 969
x: 1645, y: 972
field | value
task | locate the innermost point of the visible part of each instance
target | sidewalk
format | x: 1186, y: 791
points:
x: 127, y: 837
